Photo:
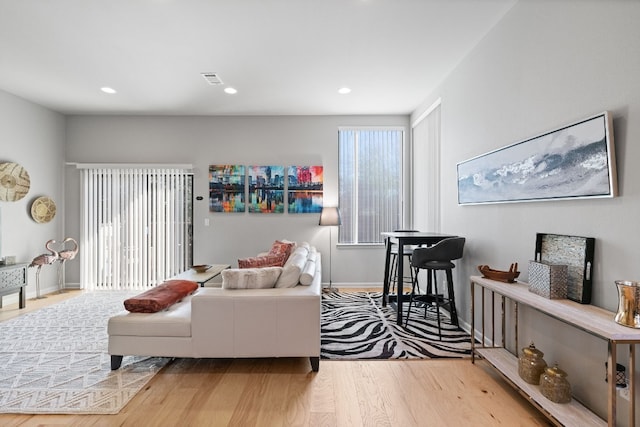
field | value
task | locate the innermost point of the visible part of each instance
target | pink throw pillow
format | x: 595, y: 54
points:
x: 263, y: 261
x: 279, y: 247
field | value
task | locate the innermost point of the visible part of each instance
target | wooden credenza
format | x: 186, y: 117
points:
x: 588, y: 318
x: 13, y: 279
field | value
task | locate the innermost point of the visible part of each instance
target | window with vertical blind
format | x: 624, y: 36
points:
x: 370, y: 183
x: 136, y: 229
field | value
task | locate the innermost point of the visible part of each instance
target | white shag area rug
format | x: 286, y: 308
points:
x: 55, y: 361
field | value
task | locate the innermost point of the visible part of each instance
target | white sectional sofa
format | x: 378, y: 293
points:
x: 228, y: 323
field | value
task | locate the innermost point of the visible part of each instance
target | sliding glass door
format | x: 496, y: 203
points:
x: 137, y: 227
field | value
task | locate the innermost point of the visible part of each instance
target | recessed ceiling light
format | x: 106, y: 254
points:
x: 344, y: 90
x: 108, y: 90
x: 230, y: 90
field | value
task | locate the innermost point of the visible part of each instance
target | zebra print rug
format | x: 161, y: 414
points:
x: 356, y: 326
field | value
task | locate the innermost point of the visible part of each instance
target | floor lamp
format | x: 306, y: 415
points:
x: 330, y: 216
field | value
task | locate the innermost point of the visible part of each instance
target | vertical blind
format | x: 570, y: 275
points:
x: 370, y: 183
x: 136, y: 229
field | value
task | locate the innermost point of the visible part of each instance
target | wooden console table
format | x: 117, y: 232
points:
x: 13, y: 278
x: 588, y: 318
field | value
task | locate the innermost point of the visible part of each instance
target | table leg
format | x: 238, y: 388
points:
x: 473, y: 322
x: 385, y: 283
x: 400, y: 286
x: 611, y: 382
x: 632, y: 385
x: 22, y: 302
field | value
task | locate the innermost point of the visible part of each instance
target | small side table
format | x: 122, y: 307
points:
x: 13, y: 278
x: 203, y: 278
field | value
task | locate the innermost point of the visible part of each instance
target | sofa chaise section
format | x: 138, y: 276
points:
x: 226, y: 323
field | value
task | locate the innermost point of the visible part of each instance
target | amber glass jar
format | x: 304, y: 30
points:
x: 531, y: 364
x: 555, y: 386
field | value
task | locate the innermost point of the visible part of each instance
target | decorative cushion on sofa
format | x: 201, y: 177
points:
x: 280, y: 247
x: 293, y: 268
x: 306, y: 245
x: 303, y: 248
x: 263, y: 261
x: 309, y: 269
x: 160, y: 297
x: 250, y: 278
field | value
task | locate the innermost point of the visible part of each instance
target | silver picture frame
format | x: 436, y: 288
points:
x: 572, y: 162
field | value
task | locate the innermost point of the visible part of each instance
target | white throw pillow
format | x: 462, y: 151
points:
x: 305, y: 245
x: 301, y: 250
x: 250, y: 278
x: 308, y: 272
x: 292, y: 269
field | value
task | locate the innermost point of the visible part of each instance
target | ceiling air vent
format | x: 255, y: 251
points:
x: 212, y: 78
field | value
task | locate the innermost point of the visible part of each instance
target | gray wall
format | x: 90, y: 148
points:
x: 202, y: 141
x: 544, y: 65
x: 34, y: 137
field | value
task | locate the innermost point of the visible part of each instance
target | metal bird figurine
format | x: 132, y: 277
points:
x: 44, y: 259
x: 65, y: 255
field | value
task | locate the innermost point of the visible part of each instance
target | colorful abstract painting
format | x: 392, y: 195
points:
x: 305, y: 189
x: 266, y: 189
x: 226, y: 188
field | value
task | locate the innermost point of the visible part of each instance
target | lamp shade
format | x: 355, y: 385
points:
x: 330, y: 216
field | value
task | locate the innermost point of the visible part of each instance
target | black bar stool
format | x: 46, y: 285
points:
x: 407, y: 251
x: 435, y: 258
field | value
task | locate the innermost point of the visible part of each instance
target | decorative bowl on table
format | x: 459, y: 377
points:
x: 200, y: 268
x: 500, y: 275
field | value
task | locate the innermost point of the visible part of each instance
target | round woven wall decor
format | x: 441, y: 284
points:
x: 14, y: 182
x: 43, y: 210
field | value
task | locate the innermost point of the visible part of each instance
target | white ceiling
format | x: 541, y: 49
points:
x: 283, y: 56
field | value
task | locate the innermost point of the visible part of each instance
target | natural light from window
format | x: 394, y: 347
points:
x: 370, y: 183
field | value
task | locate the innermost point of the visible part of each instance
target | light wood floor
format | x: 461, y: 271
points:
x: 283, y: 392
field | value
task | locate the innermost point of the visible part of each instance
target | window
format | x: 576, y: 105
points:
x: 370, y: 183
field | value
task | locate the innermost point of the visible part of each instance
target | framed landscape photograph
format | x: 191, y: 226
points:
x: 572, y: 162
